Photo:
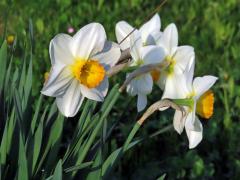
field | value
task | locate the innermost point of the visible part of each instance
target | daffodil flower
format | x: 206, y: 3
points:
x: 150, y: 32
x: 79, y: 66
x: 143, y: 55
x: 177, y: 58
x: 198, y: 91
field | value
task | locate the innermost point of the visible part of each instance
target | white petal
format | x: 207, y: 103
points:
x: 153, y: 25
x: 189, y: 72
x: 103, y: 87
x: 70, y: 102
x: 152, y: 54
x: 59, y: 79
x: 109, y: 56
x: 183, y: 56
x: 145, y: 84
x: 169, y: 39
x: 195, y: 136
x: 156, y: 36
x: 122, y: 30
x: 135, y: 46
x: 132, y: 87
x: 59, y: 49
x: 140, y: 85
x: 190, y: 119
x: 96, y: 94
x: 89, y: 40
x: 178, y: 122
x: 170, y: 91
x: 202, y: 84
x: 141, y: 102
x: 162, y: 80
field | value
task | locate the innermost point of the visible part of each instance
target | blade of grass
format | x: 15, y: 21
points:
x: 54, y: 137
x: 96, y: 173
x: 3, y: 148
x: 36, y: 114
x: 108, y: 104
x: 112, y: 159
x: 3, y: 63
x: 37, y: 142
x: 22, y: 161
x: 79, y: 167
x: 57, y: 175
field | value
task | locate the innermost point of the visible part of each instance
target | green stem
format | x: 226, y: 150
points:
x: 131, y: 136
x: 184, y: 102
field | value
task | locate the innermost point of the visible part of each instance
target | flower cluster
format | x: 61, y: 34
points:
x: 149, y: 45
x: 80, y: 65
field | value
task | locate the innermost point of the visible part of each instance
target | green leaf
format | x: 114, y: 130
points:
x: 7, y: 77
x: 53, y: 141
x: 28, y: 84
x: 3, y: 148
x: 57, y: 175
x: 19, y: 112
x: 107, y: 106
x: 96, y: 173
x: 3, y: 63
x: 37, y: 142
x: 36, y: 114
x: 31, y: 34
x: 79, y: 167
x: 115, y: 155
x: 104, y: 111
x: 22, y: 78
x: 11, y: 127
x: 162, y: 177
x: 22, y: 161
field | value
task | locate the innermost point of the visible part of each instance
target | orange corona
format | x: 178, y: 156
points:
x: 88, y: 72
x: 205, y: 105
x: 155, y: 75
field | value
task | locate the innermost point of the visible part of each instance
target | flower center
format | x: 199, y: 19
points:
x: 155, y: 75
x: 89, y: 73
x: 205, y: 105
x: 139, y: 62
x: 172, y: 62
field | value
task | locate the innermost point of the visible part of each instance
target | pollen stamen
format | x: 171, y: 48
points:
x: 89, y: 73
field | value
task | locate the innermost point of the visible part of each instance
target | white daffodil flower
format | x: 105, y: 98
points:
x: 177, y: 58
x: 198, y: 90
x: 150, y: 32
x: 79, y: 66
x: 143, y: 55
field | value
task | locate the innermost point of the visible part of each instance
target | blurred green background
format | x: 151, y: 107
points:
x: 211, y: 27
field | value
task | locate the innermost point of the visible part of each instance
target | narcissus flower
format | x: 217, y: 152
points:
x: 143, y: 55
x: 79, y: 66
x: 177, y: 58
x: 150, y: 32
x: 198, y: 90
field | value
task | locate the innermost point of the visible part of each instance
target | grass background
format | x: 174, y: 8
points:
x: 211, y: 27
